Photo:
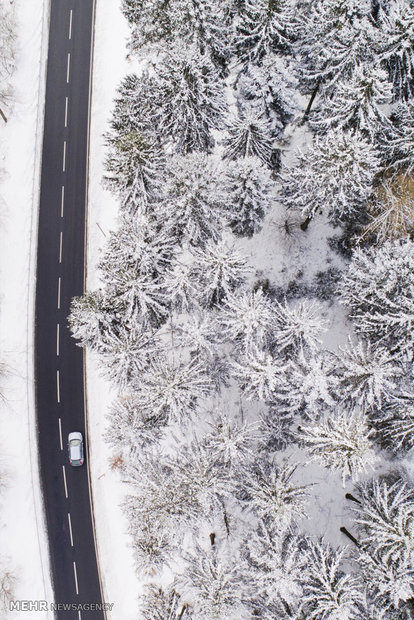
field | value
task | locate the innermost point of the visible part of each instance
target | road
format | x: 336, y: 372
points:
x: 60, y: 276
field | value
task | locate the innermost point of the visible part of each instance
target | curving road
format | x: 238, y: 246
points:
x: 60, y: 276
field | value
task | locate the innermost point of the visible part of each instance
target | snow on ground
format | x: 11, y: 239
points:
x: 120, y: 584
x: 23, y: 539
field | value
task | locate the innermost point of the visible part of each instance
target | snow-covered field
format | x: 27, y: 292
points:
x: 22, y: 529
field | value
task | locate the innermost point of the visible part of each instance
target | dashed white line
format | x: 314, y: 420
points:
x: 62, y: 201
x: 64, y: 481
x: 79, y: 615
x: 64, y: 156
x: 60, y: 246
x: 60, y: 434
x: 58, y: 294
x: 57, y: 339
x: 68, y: 69
x: 58, y: 385
x: 76, y: 577
x: 66, y: 111
x: 70, y: 530
x: 70, y: 23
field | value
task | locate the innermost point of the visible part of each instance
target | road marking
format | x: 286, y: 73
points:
x: 60, y: 434
x: 76, y: 577
x: 64, y: 481
x: 58, y: 385
x: 68, y: 69
x: 64, y: 156
x: 59, y: 287
x: 79, y: 615
x: 70, y: 24
x: 57, y: 339
x: 66, y: 111
x: 60, y: 246
x: 70, y: 530
x: 62, y: 201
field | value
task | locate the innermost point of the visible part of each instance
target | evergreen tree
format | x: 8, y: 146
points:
x: 398, y: 139
x: 260, y: 374
x: 378, y: 289
x: 340, y: 440
x: 397, y: 46
x: 249, y: 135
x: 163, y: 603
x: 190, y: 98
x: 385, y: 516
x: 334, y: 176
x: 367, y: 374
x: 265, y: 26
x: 270, y: 491
x: 249, y: 190
x: 297, y: 328
x: 248, y: 318
x: 395, y: 424
x: 231, y: 443
x: 328, y: 592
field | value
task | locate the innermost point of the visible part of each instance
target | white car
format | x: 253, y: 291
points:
x: 75, y: 448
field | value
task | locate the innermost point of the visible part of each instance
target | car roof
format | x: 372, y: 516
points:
x: 75, y: 435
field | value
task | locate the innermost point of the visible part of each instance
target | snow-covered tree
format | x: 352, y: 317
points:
x: 195, y: 205
x: 385, y: 517
x: 219, y: 268
x: 367, y: 374
x: 395, y: 425
x: 163, y: 603
x: 138, y: 298
x: 356, y: 103
x: 297, y: 327
x: 213, y: 584
x: 259, y: 373
x: 334, y: 176
x: 249, y: 135
x: 329, y: 593
x: 189, y: 98
x: 171, y: 391
x: 132, y: 429
x: 278, y: 564
x: 151, y: 542
x: 231, y: 443
x: 379, y: 291
x: 390, y: 584
x: 340, y: 440
x: 7, y: 56
x: 398, y: 138
x: 270, y: 87
x: 91, y: 320
x: 249, y: 192
x: 396, y: 47
x: 311, y: 382
x: 269, y: 490
x: 199, y: 334
x: 265, y: 26
x: 391, y: 210
x: 248, y: 318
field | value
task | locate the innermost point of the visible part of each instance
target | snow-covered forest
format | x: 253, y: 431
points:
x: 256, y: 310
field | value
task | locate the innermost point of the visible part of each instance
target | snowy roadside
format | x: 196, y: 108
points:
x: 120, y: 584
x: 23, y: 537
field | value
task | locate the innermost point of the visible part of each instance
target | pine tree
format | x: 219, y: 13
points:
x: 190, y: 99
x: 395, y: 425
x: 335, y: 176
x: 195, y: 207
x: 248, y: 318
x: 249, y: 135
x: 270, y: 491
x: 311, y: 382
x: 91, y: 320
x: 367, y: 374
x: 163, y: 603
x: 260, y: 374
x: 340, y: 440
x: 398, y: 139
x: 357, y: 102
x: 230, y: 442
x: 378, y: 290
x: 214, y: 585
x: 278, y: 569
x: 265, y: 26
x: 397, y: 46
x: 328, y: 592
x: 249, y: 189
x: 297, y: 328
x: 171, y: 391
x: 220, y: 269
x: 385, y: 516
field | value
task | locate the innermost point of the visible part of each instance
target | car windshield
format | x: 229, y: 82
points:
x: 75, y: 442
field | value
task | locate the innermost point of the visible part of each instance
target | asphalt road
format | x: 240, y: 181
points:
x: 60, y: 276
